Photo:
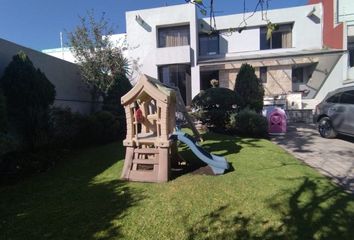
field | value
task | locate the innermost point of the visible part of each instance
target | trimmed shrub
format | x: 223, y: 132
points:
x: 7, y: 144
x: 3, y: 114
x: 17, y: 165
x: 65, y: 127
x: 73, y: 130
x: 28, y: 95
x: 112, y: 103
x: 249, y: 123
x: 108, y: 127
x: 213, y: 106
x: 249, y: 88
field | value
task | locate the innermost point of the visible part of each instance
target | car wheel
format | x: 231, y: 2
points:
x: 326, y: 129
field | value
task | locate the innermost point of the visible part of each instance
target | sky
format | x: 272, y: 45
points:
x: 37, y: 23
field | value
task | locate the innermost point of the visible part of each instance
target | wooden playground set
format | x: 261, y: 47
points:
x: 150, y: 109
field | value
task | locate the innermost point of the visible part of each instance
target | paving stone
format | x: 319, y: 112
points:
x: 332, y: 157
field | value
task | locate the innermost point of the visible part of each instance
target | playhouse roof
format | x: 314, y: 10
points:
x: 151, y: 87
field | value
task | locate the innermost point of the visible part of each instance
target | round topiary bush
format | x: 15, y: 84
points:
x: 249, y: 123
x: 213, y: 106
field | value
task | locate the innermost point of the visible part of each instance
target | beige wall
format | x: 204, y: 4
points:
x: 227, y: 78
x: 70, y: 89
x: 278, y: 80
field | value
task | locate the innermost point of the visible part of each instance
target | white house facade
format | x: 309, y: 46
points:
x: 172, y: 44
x: 305, y: 58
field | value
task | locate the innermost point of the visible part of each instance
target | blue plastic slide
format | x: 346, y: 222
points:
x: 218, y: 164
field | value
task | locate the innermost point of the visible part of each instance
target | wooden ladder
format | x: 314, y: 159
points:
x: 145, y: 165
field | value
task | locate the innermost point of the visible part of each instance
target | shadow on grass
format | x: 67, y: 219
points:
x: 223, y: 224
x: 318, y: 211
x: 227, y: 144
x: 312, y: 211
x: 70, y: 202
x: 215, y: 143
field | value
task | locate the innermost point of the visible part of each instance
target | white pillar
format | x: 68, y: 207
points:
x: 195, y: 80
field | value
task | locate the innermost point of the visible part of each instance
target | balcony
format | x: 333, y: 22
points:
x: 173, y: 55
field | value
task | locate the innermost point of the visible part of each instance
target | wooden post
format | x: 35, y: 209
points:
x: 164, y: 165
x: 129, y: 153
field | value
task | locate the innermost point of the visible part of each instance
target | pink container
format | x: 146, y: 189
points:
x: 277, y: 122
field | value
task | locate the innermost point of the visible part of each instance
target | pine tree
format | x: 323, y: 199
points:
x: 249, y: 88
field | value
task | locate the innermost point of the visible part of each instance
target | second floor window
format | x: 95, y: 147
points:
x: 208, y: 44
x: 173, y: 36
x: 281, y: 38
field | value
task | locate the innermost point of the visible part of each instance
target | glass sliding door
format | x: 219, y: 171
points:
x: 178, y: 75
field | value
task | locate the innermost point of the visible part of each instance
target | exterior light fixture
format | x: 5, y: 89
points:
x: 139, y: 20
x: 313, y: 13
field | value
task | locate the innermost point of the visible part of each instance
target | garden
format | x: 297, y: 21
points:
x: 268, y: 195
x: 60, y: 170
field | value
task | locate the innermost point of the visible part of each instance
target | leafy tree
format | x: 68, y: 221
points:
x: 28, y: 95
x: 214, y: 105
x: 112, y: 102
x: 249, y: 88
x: 100, y: 61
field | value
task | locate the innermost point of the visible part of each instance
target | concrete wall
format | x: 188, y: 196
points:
x: 332, y: 33
x: 346, y: 11
x: 71, y: 90
x: 306, y: 34
x: 333, y: 81
x: 181, y: 55
x: 61, y: 53
x: 143, y: 38
x: 118, y: 40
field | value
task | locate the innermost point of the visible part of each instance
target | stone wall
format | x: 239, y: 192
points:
x: 299, y: 115
x: 278, y: 80
x: 227, y: 78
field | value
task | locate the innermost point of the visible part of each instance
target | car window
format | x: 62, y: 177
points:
x: 347, y: 97
x: 334, y: 98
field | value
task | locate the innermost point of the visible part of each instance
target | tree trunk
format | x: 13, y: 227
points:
x: 94, y: 100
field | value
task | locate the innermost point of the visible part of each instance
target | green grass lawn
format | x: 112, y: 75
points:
x: 269, y: 195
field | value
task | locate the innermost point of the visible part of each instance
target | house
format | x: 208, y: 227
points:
x: 176, y: 46
x: 305, y: 58
x: 65, y: 76
x: 344, y: 13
